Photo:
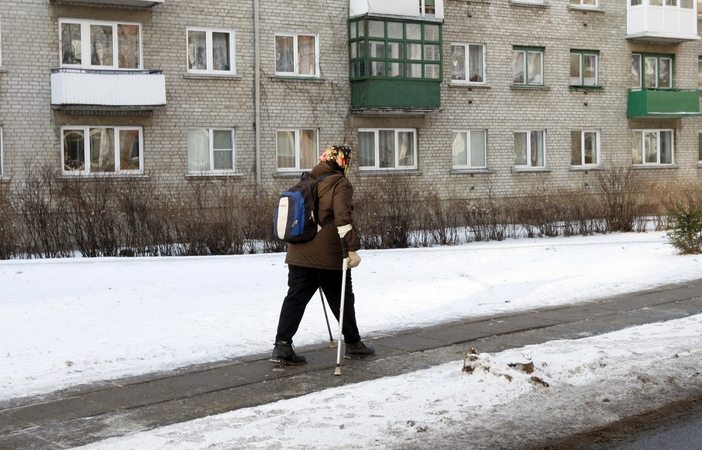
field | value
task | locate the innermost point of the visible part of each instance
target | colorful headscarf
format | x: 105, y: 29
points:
x: 339, y: 154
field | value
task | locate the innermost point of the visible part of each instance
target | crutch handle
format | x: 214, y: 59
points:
x: 344, y: 249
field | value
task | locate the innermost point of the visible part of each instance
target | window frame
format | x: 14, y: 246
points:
x: 210, y: 51
x: 642, y: 77
x: 699, y: 72
x: 699, y: 148
x: 211, y: 152
x: 528, y: 165
x: 376, y: 156
x: 527, y: 50
x: 467, y: 67
x: 580, y: 4
x: 469, y: 149
x: 298, y: 166
x: 361, y: 61
x: 85, y: 25
x: 296, y: 63
x: 86, y: 150
x: 642, y: 155
x: 582, y: 54
x: 582, y: 134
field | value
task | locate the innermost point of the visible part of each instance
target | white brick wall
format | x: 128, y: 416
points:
x: 31, y: 127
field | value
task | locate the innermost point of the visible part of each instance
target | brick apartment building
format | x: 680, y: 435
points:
x: 505, y: 96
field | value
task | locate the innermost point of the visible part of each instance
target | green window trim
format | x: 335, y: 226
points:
x: 653, y: 64
x: 588, y: 60
x: 528, y: 66
x: 395, y: 50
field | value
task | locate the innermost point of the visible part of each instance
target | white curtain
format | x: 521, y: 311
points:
x: 198, y: 150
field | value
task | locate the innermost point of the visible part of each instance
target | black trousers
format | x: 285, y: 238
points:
x: 303, y: 283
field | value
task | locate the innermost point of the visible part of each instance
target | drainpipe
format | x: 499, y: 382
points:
x: 257, y: 100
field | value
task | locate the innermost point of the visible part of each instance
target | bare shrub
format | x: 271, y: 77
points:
x: 92, y: 216
x: 384, y: 211
x: 43, y: 215
x: 439, y: 221
x: 490, y: 219
x: 214, y: 217
x: 146, y: 219
x: 561, y: 213
x: 259, y: 224
x: 10, y: 227
x: 623, y: 195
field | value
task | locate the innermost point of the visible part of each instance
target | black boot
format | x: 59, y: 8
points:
x: 283, y: 353
x: 358, y: 350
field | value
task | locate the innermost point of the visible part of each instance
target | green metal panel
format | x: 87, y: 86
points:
x: 663, y: 102
x: 390, y: 93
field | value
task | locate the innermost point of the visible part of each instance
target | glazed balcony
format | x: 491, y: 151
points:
x: 658, y: 21
x: 107, y: 89
x: 663, y: 103
x: 413, y: 9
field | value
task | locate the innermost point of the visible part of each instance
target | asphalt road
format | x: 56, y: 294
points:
x: 681, y: 433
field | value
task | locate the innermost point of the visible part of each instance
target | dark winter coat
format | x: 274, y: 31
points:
x: 335, y: 210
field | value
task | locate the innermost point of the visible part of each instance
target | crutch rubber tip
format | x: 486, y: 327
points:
x: 332, y: 344
x: 337, y: 371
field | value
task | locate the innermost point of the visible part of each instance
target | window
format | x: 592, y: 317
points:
x: 585, y: 149
x: 429, y: 7
x: 584, y: 2
x: 387, y: 148
x: 528, y: 66
x: 468, y: 149
x: 699, y: 73
x: 211, y: 51
x: 699, y: 147
x: 296, y: 55
x: 468, y: 63
x: 398, y: 50
x: 102, y: 150
x: 584, y: 68
x: 211, y: 150
x: 100, y: 45
x: 636, y: 2
x: 296, y: 149
x: 1, y: 154
x: 652, y: 71
x: 530, y: 148
x: 652, y: 147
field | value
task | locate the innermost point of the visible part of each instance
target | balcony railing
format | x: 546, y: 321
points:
x: 401, y: 94
x: 417, y: 9
x: 656, y: 22
x: 663, y: 103
x: 146, y: 3
x: 107, y: 89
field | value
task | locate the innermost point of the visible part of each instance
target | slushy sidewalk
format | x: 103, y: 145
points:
x: 90, y: 413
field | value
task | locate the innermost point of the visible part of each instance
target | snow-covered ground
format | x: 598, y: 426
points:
x: 73, y: 321
x: 590, y: 382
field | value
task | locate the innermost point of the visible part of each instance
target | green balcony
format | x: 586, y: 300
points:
x: 663, y: 103
x: 402, y: 93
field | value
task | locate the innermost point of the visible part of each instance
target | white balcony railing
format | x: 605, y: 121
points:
x: 655, y: 20
x: 110, y: 89
x: 420, y: 9
x: 147, y: 3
